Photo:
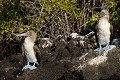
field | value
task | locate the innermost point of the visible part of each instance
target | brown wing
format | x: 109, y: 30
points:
x: 23, y: 52
x: 111, y: 35
x: 96, y: 30
x: 37, y: 52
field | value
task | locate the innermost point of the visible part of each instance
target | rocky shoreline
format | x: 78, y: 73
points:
x: 66, y: 58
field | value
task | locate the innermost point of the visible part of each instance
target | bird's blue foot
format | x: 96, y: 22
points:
x: 31, y: 67
x: 99, y: 49
x: 107, y: 47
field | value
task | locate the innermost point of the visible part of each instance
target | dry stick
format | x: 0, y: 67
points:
x: 52, y: 31
x: 41, y: 10
x: 87, y: 13
x: 93, y: 7
x: 90, y: 34
x: 62, y: 22
x: 84, y: 14
x: 68, y: 28
x: 76, y: 21
x: 83, y: 56
x: 74, y: 14
x: 34, y: 2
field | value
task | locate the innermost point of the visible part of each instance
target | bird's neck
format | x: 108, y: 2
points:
x: 104, y: 19
x: 107, y: 17
x: 28, y: 40
x: 33, y: 38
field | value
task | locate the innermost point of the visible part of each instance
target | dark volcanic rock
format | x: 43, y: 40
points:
x: 113, y: 77
x: 66, y: 58
x: 102, y: 66
x: 71, y: 45
x: 61, y: 46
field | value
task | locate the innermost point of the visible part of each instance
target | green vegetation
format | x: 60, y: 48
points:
x: 50, y: 18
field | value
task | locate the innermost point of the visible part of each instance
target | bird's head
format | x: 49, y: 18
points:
x: 28, y: 34
x: 104, y: 13
x: 31, y: 34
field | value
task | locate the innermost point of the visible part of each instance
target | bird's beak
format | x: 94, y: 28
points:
x: 23, y: 34
x: 102, y: 14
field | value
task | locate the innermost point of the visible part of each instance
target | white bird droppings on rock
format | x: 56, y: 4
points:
x: 97, y: 60
x: 45, y: 38
x: 46, y: 42
x: 82, y: 42
x: 100, y: 59
x: 74, y: 35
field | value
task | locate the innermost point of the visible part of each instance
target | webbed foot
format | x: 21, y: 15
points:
x: 99, y: 49
x: 107, y: 47
x: 31, y: 67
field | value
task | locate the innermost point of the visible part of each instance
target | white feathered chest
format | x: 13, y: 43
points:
x: 29, y: 51
x: 103, y: 31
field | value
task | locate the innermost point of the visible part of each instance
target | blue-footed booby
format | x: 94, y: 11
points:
x: 103, y: 32
x: 30, y: 50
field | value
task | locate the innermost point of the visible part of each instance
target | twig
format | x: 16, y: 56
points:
x: 83, y: 56
x: 68, y: 28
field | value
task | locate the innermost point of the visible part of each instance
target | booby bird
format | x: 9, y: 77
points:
x: 30, y: 50
x: 103, y: 32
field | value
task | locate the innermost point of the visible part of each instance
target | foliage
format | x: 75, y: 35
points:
x: 33, y: 14
x: 50, y: 18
